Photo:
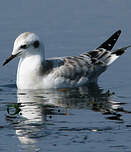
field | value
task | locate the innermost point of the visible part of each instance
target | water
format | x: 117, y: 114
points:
x: 94, y: 118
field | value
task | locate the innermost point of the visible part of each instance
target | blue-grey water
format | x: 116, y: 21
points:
x: 87, y: 119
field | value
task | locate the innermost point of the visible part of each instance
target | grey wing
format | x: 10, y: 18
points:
x: 71, y: 67
x: 90, y: 64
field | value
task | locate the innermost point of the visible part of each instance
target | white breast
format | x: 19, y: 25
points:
x: 28, y: 76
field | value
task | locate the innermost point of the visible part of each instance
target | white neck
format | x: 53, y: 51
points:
x: 28, y: 73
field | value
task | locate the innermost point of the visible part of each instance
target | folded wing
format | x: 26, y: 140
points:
x: 88, y: 66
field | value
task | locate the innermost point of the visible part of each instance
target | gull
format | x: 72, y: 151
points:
x: 36, y: 72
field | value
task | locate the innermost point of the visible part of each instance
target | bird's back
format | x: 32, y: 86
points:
x: 74, y: 71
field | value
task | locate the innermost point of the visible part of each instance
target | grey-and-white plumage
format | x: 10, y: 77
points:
x: 36, y: 72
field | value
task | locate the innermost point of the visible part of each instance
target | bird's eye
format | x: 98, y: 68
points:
x: 36, y: 44
x: 23, y: 46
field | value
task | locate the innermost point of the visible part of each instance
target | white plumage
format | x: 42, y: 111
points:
x: 36, y: 72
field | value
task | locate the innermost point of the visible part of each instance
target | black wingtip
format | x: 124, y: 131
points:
x: 119, y: 31
x: 121, y: 50
x: 109, y: 43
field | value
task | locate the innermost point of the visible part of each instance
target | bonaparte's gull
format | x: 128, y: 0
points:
x: 36, y: 72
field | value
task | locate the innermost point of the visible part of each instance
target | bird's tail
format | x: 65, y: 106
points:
x: 103, y: 59
x: 115, y: 54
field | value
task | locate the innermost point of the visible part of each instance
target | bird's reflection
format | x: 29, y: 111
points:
x: 34, y: 109
x: 35, y: 106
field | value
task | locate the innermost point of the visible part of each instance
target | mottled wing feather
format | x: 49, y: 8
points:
x: 71, y: 67
x: 103, y: 52
x: 88, y: 65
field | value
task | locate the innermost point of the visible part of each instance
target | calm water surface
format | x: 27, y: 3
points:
x: 93, y: 118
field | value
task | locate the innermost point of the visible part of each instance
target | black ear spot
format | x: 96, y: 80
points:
x: 36, y: 44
